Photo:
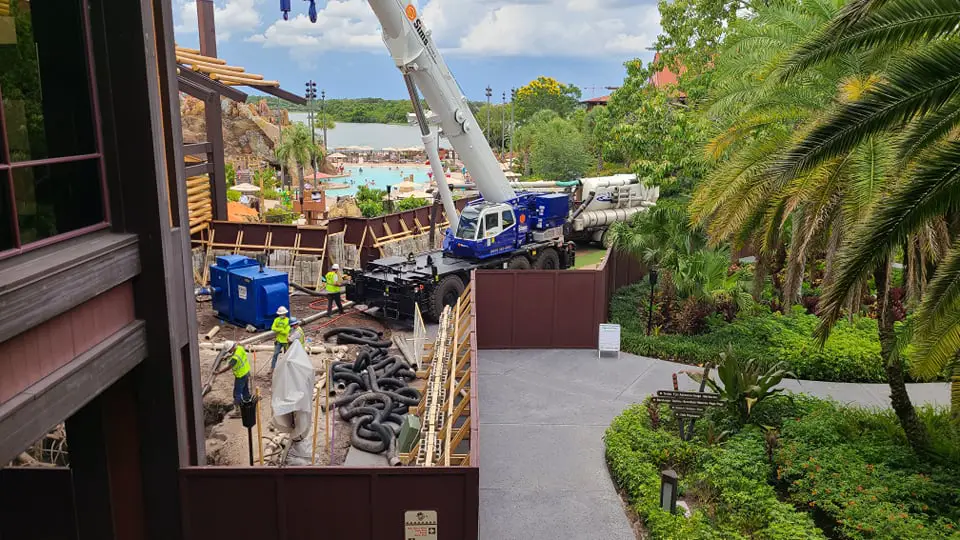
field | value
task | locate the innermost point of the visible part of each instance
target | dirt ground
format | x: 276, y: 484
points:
x: 226, y: 438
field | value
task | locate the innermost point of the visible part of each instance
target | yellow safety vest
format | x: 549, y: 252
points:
x: 281, y: 325
x: 333, y: 282
x: 242, y: 367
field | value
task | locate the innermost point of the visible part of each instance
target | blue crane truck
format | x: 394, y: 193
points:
x: 520, y: 233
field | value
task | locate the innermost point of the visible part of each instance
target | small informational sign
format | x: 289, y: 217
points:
x: 241, y: 292
x: 609, y: 341
x: 420, y: 525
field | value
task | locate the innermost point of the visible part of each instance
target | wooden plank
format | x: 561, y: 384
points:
x: 42, y: 284
x: 199, y: 168
x: 28, y: 416
x: 195, y: 149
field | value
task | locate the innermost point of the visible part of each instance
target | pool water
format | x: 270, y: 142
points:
x: 381, y: 177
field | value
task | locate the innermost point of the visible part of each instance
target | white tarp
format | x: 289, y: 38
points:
x: 292, y: 400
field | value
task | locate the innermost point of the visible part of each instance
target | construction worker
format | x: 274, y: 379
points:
x: 241, y: 372
x: 281, y: 327
x: 334, y: 282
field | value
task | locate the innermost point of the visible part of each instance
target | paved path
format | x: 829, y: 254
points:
x: 542, y: 416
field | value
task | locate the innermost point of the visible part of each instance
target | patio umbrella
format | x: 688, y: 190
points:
x: 337, y: 155
x: 245, y: 188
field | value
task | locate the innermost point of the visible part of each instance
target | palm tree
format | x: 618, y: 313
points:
x: 917, y: 97
x: 767, y: 182
x: 298, y: 147
x: 743, y: 200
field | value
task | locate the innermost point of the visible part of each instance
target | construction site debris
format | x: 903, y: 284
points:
x: 375, y: 395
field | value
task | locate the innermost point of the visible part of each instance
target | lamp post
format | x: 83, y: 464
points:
x: 311, y: 94
x: 513, y: 99
x: 503, y: 121
x: 489, y: 93
x: 668, y: 490
x: 323, y: 111
x: 653, y: 284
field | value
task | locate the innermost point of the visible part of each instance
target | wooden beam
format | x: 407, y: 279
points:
x: 29, y: 415
x: 44, y: 283
x: 201, y: 81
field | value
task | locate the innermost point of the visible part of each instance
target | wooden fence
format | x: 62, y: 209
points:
x: 548, y: 309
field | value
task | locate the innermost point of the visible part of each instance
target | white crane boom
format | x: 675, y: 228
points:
x: 422, y: 65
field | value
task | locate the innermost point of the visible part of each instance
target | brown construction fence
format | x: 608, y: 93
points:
x: 306, y: 503
x: 549, y: 309
x: 350, y: 241
x: 355, y: 503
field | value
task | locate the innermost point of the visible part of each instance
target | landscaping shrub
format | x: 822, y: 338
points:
x: 818, y: 470
x: 851, y: 354
x: 854, y: 469
x: 730, y: 481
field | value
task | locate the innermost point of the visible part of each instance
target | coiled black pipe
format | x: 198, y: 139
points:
x: 357, y: 335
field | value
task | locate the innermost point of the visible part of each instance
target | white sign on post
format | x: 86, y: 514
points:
x: 609, y: 340
x: 420, y: 525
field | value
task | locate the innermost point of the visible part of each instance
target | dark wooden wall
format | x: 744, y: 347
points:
x: 548, y: 309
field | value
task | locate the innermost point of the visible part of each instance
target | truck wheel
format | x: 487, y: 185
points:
x: 519, y: 263
x: 548, y: 259
x: 443, y: 294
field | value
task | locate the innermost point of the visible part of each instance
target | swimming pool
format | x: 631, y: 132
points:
x: 381, y: 177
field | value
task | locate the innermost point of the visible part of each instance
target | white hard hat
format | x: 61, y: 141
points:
x: 336, y: 266
x: 229, y: 345
x: 282, y: 310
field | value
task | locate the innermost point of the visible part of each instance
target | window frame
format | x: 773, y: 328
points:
x: 7, y: 166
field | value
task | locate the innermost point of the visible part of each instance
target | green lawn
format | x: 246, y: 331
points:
x: 587, y: 256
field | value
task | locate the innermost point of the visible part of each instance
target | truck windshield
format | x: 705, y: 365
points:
x: 468, y: 224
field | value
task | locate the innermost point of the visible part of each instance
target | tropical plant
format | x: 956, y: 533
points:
x: 916, y: 96
x: 545, y: 93
x: 743, y: 384
x: 527, y: 134
x: 298, y: 147
x: 559, y: 152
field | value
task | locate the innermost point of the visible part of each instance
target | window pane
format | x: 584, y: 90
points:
x: 492, y: 221
x: 59, y: 198
x: 6, y: 214
x: 507, y: 218
x: 44, y: 80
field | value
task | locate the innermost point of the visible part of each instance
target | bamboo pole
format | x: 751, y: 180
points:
x: 178, y: 48
x: 200, y: 57
x: 198, y: 65
x: 243, y: 80
x: 259, y: 428
x: 326, y: 409
x: 316, y: 422
x: 226, y: 71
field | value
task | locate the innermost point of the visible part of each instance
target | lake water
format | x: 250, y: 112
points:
x: 379, y: 178
x: 373, y: 135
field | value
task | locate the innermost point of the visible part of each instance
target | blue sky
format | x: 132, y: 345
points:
x: 503, y: 43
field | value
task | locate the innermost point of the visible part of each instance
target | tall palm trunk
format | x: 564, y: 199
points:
x: 300, y: 172
x: 899, y: 398
x: 955, y: 389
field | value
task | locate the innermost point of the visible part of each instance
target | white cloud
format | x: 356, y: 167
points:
x: 574, y: 28
x: 230, y: 17
x: 341, y: 25
x: 558, y: 28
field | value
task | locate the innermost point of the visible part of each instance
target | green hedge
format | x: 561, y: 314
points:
x: 822, y: 470
x: 851, y: 354
x: 733, y: 477
x: 854, y: 468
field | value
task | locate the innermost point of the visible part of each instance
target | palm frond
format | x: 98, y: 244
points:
x: 933, y: 188
x: 929, y: 129
x: 866, y: 24
x: 943, y: 292
x: 917, y: 84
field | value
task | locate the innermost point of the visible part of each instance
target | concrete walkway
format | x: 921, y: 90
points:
x: 542, y: 416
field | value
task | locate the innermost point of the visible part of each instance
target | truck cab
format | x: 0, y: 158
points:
x: 487, y: 229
